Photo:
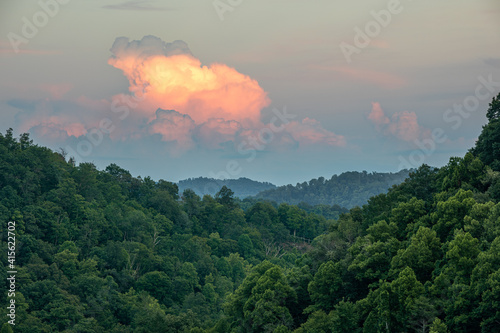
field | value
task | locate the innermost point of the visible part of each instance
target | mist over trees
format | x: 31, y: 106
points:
x: 348, y: 189
x: 103, y: 251
x: 242, y: 187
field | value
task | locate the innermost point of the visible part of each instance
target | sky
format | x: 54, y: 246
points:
x: 274, y: 90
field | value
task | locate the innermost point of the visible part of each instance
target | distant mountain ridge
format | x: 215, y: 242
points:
x: 242, y: 187
x: 348, y: 189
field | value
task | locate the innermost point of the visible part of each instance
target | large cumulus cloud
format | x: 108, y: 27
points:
x: 176, y: 99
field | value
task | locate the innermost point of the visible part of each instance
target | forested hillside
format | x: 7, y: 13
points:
x: 348, y: 189
x: 102, y: 251
x: 242, y: 187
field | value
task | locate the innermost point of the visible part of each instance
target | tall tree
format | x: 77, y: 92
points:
x: 488, y: 144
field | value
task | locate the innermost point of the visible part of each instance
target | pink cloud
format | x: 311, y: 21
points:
x: 67, y: 123
x: 55, y: 131
x: 213, y: 133
x: 173, y: 126
x: 402, y: 125
x: 172, y: 78
x: 377, y: 116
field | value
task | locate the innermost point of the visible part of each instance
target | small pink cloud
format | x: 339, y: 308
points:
x: 377, y: 116
x: 402, y: 125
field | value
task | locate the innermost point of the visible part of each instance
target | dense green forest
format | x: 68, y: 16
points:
x: 102, y: 251
x: 242, y: 187
x: 349, y: 189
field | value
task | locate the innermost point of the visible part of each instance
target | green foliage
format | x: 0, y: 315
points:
x: 488, y: 144
x: 105, y: 251
x: 158, y: 285
x: 450, y: 214
x: 6, y: 328
x: 225, y: 197
x: 438, y: 327
x: 318, y: 322
x: 325, y: 286
x: 407, y: 288
x: 372, y: 255
x: 263, y: 300
x: 422, y: 253
x: 407, y: 216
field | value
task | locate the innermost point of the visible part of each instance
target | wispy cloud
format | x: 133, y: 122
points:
x: 138, y: 5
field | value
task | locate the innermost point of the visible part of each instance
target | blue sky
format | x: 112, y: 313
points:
x: 280, y: 91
